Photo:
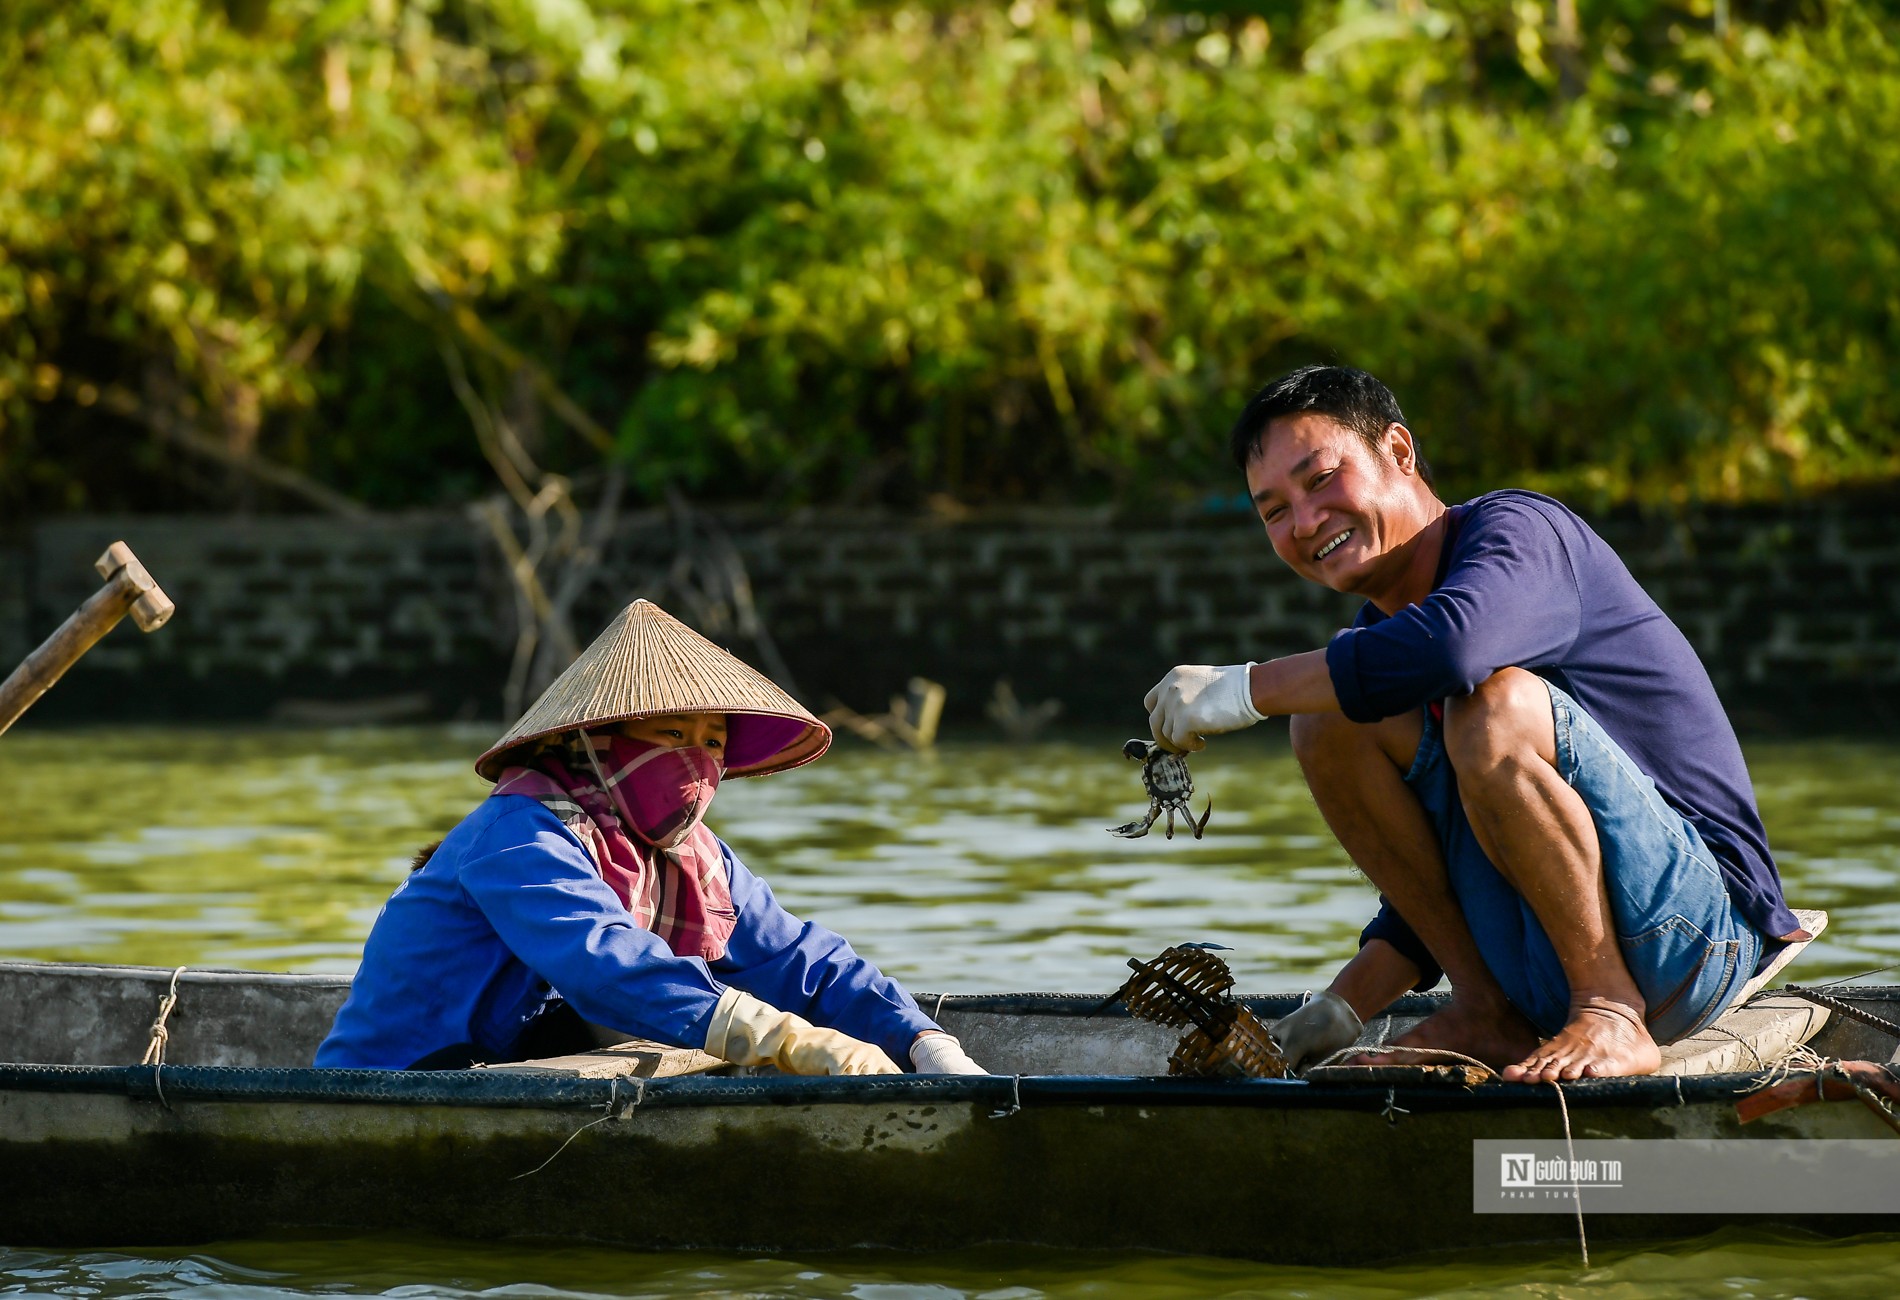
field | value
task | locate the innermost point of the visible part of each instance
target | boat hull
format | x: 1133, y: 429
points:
x: 96, y: 1157
x: 95, y: 1154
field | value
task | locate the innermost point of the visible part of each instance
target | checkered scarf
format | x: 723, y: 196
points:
x: 586, y: 782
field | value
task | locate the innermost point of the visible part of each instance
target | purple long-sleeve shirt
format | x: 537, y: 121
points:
x: 1523, y: 582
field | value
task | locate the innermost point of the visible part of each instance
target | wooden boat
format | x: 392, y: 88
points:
x: 1076, y: 1145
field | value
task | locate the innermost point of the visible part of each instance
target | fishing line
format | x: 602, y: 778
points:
x: 1878, y: 970
x: 1843, y: 1007
x: 614, y: 1111
x: 1747, y: 1046
x: 1576, y: 1193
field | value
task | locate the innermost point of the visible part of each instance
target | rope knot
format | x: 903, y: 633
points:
x: 161, y: 1031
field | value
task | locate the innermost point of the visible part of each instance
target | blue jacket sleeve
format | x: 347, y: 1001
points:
x: 802, y: 967
x: 1509, y: 598
x: 557, y: 915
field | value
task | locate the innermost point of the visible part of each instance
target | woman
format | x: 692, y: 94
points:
x: 586, y: 891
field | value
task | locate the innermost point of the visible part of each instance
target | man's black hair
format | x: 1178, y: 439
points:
x: 1352, y: 397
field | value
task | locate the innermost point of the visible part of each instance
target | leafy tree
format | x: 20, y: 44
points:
x: 891, y: 252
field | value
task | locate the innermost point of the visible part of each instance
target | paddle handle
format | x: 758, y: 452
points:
x: 128, y: 589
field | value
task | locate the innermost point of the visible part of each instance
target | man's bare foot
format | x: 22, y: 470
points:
x: 1604, y: 1038
x: 1490, y: 1031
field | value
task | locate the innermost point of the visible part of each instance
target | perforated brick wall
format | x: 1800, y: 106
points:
x: 1794, y: 609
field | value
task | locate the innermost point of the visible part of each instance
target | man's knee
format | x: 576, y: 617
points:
x: 1324, y: 739
x: 1318, y: 736
x: 1505, y: 720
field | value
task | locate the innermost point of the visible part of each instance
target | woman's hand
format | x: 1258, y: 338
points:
x: 935, y: 1052
x: 746, y: 1031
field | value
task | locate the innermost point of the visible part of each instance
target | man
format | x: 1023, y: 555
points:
x: 1512, y: 741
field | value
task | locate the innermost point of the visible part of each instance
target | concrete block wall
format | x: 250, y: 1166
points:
x: 1786, y: 606
x: 1087, y: 611
x: 276, y: 608
x: 1795, y: 610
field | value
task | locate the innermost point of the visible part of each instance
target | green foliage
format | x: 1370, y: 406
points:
x: 187, y: 209
x: 880, y: 251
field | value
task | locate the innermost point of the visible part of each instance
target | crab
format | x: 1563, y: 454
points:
x: 1169, y: 789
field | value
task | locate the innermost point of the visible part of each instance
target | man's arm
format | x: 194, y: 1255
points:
x: 1300, y: 683
x: 1195, y: 701
x: 1508, y: 599
x: 1376, y: 977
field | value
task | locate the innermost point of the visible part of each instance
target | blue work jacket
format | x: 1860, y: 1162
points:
x: 511, y: 913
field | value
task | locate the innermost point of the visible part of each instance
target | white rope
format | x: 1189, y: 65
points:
x: 1799, y: 1061
x: 1445, y: 1052
x: 1576, y: 1193
x: 161, y: 1035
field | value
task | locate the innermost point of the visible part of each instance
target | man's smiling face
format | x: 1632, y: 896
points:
x: 1336, y: 507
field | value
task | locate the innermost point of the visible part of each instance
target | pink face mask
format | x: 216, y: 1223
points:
x: 661, y: 793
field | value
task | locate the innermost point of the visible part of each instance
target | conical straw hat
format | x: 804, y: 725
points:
x: 647, y: 662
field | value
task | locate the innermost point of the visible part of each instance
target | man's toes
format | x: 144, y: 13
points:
x: 1541, y: 1068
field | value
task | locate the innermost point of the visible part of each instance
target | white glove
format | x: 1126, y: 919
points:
x: 941, y: 1054
x: 1323, y: 1026
x: 747, y: 1031
x: 1196, y: 700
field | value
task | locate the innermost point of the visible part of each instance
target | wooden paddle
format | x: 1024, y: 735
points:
x: 128, y: 589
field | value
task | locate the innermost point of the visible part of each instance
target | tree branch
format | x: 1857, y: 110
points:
x: 181, y: 433
x: 476, y: 331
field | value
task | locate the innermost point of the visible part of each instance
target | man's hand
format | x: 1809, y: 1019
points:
x: 1323, y: 1026
x: 1197, y: 700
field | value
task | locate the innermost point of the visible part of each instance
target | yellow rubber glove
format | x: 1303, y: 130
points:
x: 747, y: 1031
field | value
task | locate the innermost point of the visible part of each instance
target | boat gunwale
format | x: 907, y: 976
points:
x: 1065, y: 1005
x: 1003, y: 1094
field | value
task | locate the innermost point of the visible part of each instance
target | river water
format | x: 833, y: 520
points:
x: 980, y: 867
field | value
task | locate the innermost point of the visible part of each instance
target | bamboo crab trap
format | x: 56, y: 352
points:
x: 1188, y: 987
